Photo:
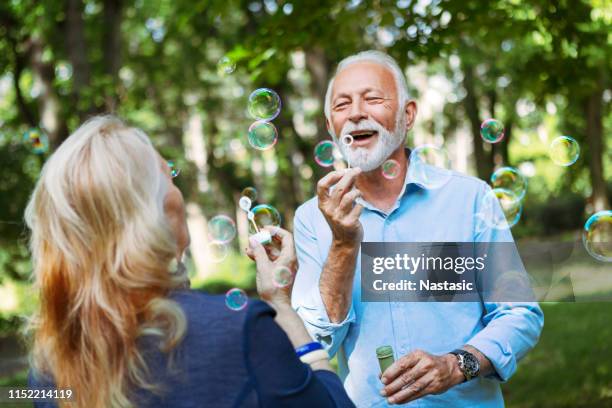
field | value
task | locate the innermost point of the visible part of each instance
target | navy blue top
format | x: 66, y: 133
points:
x: 231, y: 359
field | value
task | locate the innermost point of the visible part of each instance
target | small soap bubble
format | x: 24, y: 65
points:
x: 245, y: 203
x: 221, y: 229
x: 262, y: 135
x: 36, y: 140
x: 564, y: 151
x: 391, y: 169
x: 263, y: 215
x: 511, y: 179
x: 264, y: 104
x: 236, y: 299
x: 347, y: 140
x: 226, y: 66
x: 324, y: 153
x: 250, y: 192
x: 429, y: 166
x: 174, y: 171
x: 597, y: 236
x: 500, y: 209
x: 492, y: 131
x: 217, y: 252
x: 282, y: 277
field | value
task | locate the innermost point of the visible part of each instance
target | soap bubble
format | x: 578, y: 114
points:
x: 174, y: 171
x: 264, y: 214
x: 500, y: 209
x: 324, y: 153
x: 391, y: 169
x: 217, y: 252
x: 597, y: 236
x: 564, y: 151
x: 429, y: 167
x: 226, y: 66
x: 262, y: 135
x: 511, y: 179
x: 236, y: 299
x: 36, y: 140
x: 245, y: 203
x: 250, y: 192
x: 492, y: 131
x: 347, y: 140
x: 264, y: 104
x: 282, y: 277
x: 221, y: 229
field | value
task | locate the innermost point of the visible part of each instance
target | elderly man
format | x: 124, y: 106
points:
x: 449, y: 354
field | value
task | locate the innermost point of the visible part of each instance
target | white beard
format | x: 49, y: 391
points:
x: 368, y: 159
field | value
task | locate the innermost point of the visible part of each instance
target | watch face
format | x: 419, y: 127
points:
x: 471, y: 366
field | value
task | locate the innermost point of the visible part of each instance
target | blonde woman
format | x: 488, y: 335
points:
x: 117, y: 324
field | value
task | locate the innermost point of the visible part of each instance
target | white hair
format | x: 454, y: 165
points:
x: 377, y: 57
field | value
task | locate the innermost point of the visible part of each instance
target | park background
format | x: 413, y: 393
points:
x: 541, y: 67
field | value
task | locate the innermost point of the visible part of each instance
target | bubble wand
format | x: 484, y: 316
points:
x: 263, y: 236
x: 347, y: 140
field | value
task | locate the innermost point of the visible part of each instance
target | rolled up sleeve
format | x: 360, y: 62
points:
x: 511, y: 330
x: 306, y: 296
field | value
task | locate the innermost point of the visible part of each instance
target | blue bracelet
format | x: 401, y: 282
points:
x: 307, y: 348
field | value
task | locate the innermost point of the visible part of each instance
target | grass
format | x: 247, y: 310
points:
x: 572, y: 364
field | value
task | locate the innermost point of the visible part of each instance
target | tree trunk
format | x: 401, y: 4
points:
x: 470, y: 103
x: 596, y: 144
x: 318, y: 67
x: 111, y: 42
x: 49, y: 105
x: 77, y: 54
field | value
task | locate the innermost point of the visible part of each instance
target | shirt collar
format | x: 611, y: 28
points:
x: 408, y: 181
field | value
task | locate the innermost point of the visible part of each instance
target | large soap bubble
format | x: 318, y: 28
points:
x: 597, y: 236
x: 511, y: 179
x: 324, y: 153
x: 500, y: 209
x: 564, y: 151
x: 492, y: 131
x: 262, y: 135
x: 429, y: 166
x: 221, y: 229
x: 264, y: 104
x: 263, y: 215
x: 236, y: 299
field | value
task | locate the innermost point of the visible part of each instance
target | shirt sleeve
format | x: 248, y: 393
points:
x: 279, y: 377
x: 306, y: 296
x: 511, y: 328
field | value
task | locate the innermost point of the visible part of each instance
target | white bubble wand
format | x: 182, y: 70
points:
x: 347, y: 140
x: 263, y: 236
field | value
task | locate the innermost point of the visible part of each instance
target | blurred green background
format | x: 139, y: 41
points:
x: 541, y: 67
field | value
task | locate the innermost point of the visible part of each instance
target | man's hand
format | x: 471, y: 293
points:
x: 418, y: 374
x: 338, y: 206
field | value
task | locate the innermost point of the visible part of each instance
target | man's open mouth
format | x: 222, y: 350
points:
x: 360, y: 135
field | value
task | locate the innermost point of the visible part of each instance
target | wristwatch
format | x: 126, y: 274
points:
x: 468, y: 363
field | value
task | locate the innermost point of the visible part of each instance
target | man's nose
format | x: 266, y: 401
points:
x: 357, y: 112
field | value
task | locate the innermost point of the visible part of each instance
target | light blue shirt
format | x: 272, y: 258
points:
x: 503, y: 332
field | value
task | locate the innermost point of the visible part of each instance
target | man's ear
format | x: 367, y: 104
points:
x: 328, y: 126
x: 411, y: 112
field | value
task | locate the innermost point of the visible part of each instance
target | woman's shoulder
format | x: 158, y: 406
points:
x: 208, y: 309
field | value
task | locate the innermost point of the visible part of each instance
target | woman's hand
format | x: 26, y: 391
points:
x: 269, y: 264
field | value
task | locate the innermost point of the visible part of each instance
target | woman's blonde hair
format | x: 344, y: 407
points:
x: 101, y: 251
